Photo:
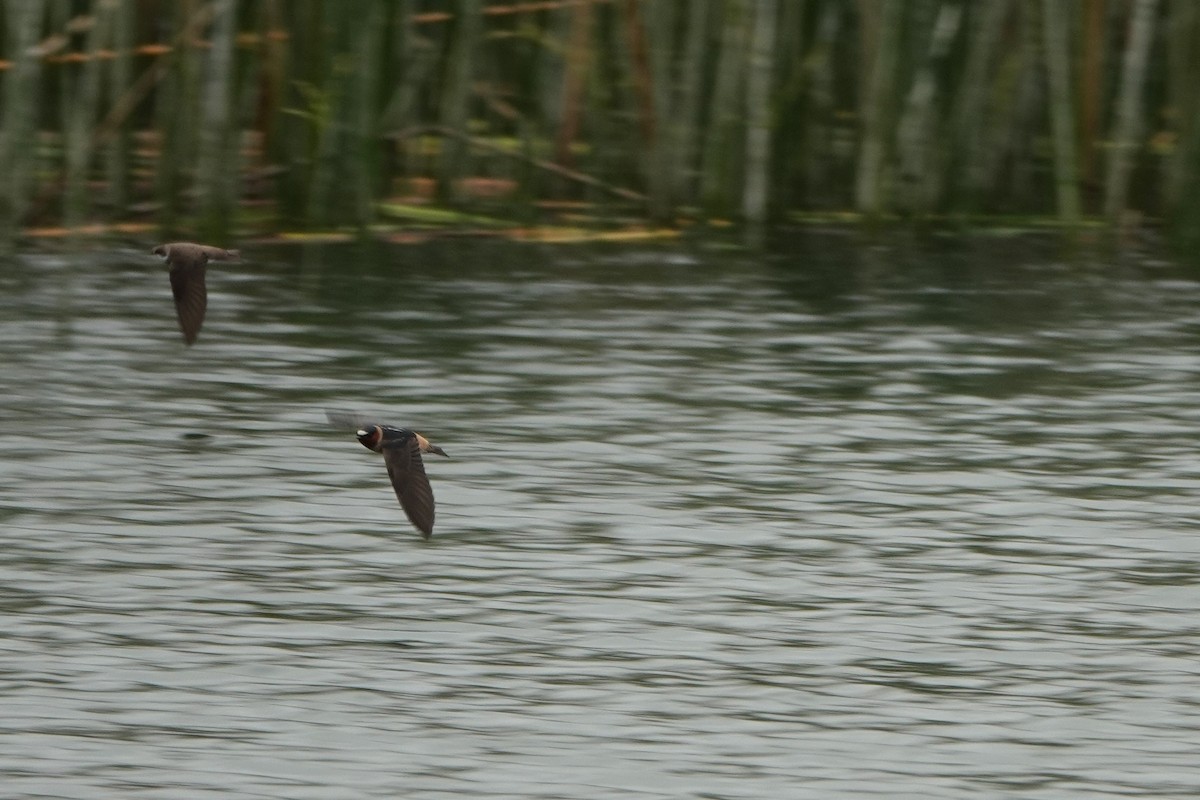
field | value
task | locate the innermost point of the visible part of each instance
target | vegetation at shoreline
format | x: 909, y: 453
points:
x: 216, y: 116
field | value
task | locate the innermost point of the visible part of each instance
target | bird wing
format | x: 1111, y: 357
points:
x: 407, y: 471
x: 191, y: 297
x: 217, y: 253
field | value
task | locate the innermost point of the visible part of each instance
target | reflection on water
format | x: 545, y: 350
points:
x: 852, y: 521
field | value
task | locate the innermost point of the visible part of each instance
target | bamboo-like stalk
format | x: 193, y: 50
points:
x: 364, y: 132
x: 1017, y: 105
x: 639, y: 73
x: 80, y: 121
x: 215, y: 175
x: 685, y: 131
x: 18, y: 153
x: 877, y: 110
x: 613, y: 130
x: 818, y: 126
x: 63, y: 85
x: 1091, y: 86
x: 550, y: 68
x: 1183, y: 62
x: 656, y: 69
x: 725, y: 115
x: 302, y: 110
x: 404, y: 52
x: 456, y: 98
x: 177, y: 121
x: 646, y: 35
x: 270, y: 58
x: 791, y: 78
x: 1129, y: 108
x: 329, y: 103
x: 577, y: 68
x: 982, y: 76
x: 916, y: 135
x: 759, y: 118
x: 737, y: 106
x: 1057, y: 46
x: 120, y: 79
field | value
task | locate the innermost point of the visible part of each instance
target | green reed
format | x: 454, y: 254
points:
x: 218, y: 116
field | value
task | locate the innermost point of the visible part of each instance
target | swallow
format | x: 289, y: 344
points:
x: 401, y: 450
x: 187, y: 262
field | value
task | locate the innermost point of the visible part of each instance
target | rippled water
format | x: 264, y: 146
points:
x: 854, y: 520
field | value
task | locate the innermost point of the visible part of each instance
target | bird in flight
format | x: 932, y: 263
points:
x: 401, y: 449
x: 187, y: 262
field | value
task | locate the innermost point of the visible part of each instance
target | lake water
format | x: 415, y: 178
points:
x: 854, y: 519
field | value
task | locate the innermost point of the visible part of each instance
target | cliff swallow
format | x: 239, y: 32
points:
x: 187, y: 262
x: 401, y: 449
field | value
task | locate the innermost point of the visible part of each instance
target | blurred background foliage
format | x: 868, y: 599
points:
x: 216, y: 116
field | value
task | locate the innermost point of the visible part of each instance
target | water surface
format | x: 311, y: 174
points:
x: 855, y: 519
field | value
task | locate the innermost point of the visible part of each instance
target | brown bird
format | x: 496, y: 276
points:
x: 401, y: 449
x: 187, y: 262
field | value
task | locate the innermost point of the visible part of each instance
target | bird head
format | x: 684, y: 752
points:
x: 370, y: 437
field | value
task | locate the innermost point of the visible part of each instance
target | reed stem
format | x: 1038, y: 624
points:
x: 877, y: 110
x: 758, y: 113
x: 1129, y: 108
x: 1057, y: 46
x: 659, y: 110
